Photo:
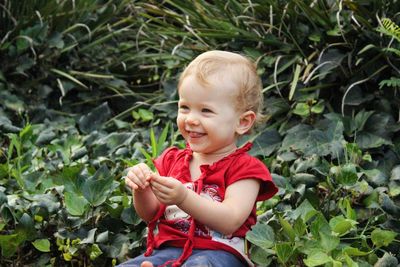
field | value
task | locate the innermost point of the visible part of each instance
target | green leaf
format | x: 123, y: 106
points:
x: 328, y: 241
x: 95, y: 119
x: 390, y: 207
x: 102, y: 237
x: 316, y: 259
x: 129, y: 216
x: 261, y: 235
x: 394, y: 188
x: 376, y: 177
x: 354, y: 251
x: 261, y: 256
x: 382, y: 238
x: 302, y: 109
x: 26, y: 228
x: 9, y: 244
x: 266, y: 143
x: 341, y: 225
x: 76, y: 205
x: 319, y: 224
x: 309, y: 141
x: 95, y: 252
x: 318, y: 108
x: 97, y: 188
x: 89, y: 239
x: 367, y: 140
x: 305, y: 211
x: 284, y: 251
x: 287, y: 228
x: 347, y: 174
x: 350, y: 262
x: 45, y: 137
x: 162, y: 139
x: 299, y: 227
x: 145, y: 115
x: 395, y: 174
x: 42, y: 245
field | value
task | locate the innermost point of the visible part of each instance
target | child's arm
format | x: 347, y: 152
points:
x: 145, y: 202
x: 225, y: 217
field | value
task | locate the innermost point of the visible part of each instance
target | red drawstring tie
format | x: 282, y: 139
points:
x: 150, y: 235
x: 189, y: 244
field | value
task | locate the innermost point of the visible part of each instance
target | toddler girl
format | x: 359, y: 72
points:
x: 202, y: 201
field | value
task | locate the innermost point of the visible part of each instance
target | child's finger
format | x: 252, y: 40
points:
x: 156, y: 178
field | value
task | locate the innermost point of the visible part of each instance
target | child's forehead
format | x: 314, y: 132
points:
x: 213, y: 84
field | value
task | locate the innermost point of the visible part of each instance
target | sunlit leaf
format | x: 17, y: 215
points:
x: 316, y: 259
x: 42, y: 245
x: 382, y: 238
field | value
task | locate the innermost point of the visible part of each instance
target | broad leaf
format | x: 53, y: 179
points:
x: 261, y: 235
x: 316, y: 259
x: 310, y: 141
x: 97, y: 188
x: 382, y: 238
x: 42, y: 245
x: 305, y: 211
x: 284, y: 251
x: 341, y: 225
x: 94, y: 120
x: 76, y: 205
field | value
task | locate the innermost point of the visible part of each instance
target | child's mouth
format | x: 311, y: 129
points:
x: 195, y: 134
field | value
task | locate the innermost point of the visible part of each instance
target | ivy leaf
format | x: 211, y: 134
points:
x: 94, y: 119
x: 129, y: 216
x: 76, y: 205
x: 310, y: 141
x: 97, y: 188
x: 89, y: 239
x: 266, y: 143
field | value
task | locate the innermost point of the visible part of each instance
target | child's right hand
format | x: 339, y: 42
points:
x: 137, y: 177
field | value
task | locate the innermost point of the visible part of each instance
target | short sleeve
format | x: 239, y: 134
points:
x: 164, y: 162
x: 249, y: 167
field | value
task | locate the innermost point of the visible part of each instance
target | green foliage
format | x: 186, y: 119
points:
x: 88, y: 88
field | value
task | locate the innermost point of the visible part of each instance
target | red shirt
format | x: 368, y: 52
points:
x: 174, y: 224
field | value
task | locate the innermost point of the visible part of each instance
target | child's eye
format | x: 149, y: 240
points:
x: 206, y: 110
x: 183, y: 107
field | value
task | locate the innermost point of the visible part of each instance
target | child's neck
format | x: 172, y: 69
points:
x: 199, y: 159
x: 210, y: 158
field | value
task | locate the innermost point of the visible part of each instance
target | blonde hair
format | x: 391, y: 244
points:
x: 244, y: 72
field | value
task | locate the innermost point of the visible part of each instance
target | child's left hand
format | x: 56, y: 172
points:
x: 168, y: 190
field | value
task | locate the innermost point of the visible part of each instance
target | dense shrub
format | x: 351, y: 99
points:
x: 82, y: 82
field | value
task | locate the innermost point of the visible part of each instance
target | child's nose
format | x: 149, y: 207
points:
x: 192, y: 119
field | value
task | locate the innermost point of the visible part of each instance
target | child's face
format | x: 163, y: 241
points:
x: 207, y: 117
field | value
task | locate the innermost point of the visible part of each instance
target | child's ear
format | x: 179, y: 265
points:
x: 246, y: 121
